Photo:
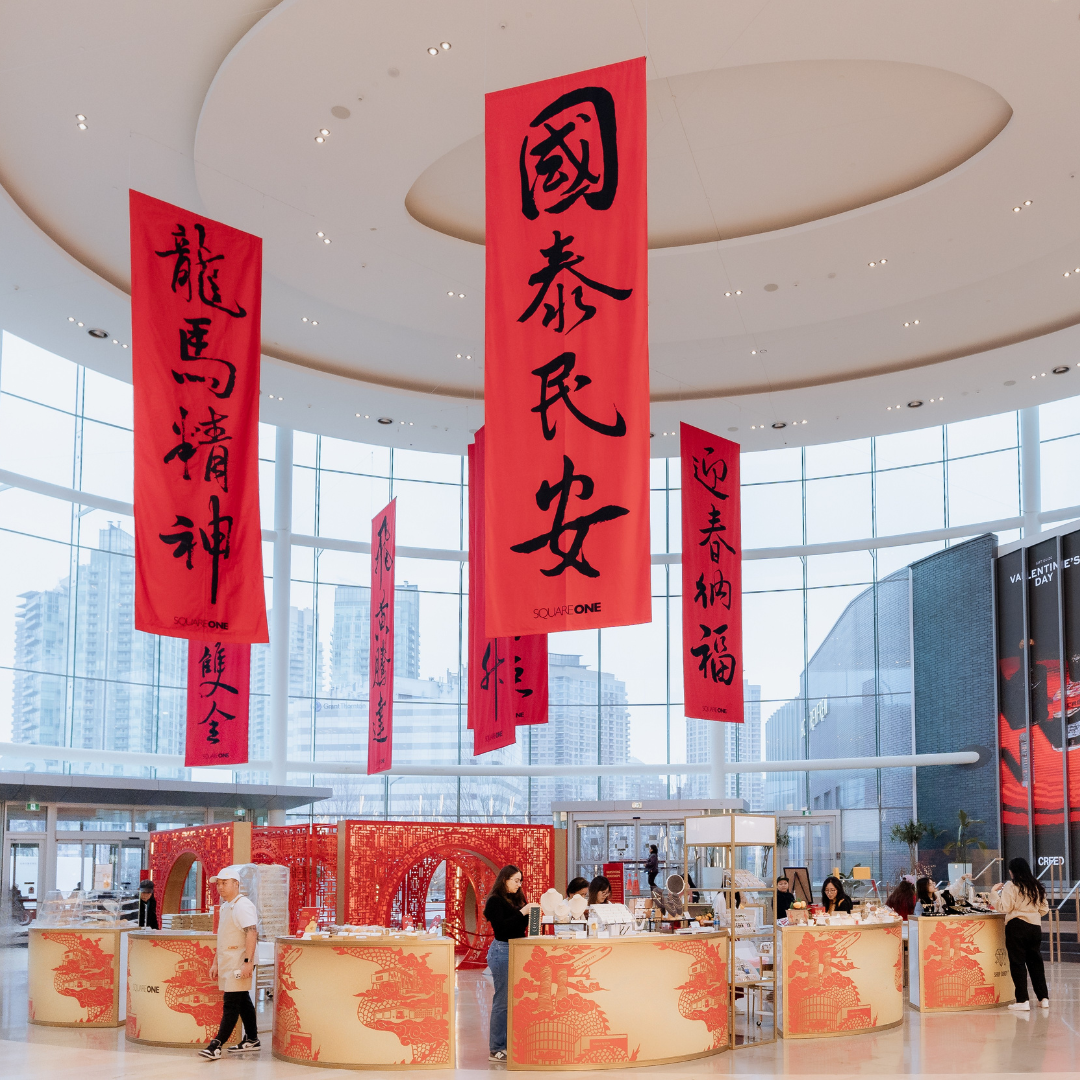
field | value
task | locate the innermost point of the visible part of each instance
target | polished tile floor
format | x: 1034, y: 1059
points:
x: 997, y: 1043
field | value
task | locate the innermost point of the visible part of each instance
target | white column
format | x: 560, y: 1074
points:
x: 717, y: 759
x: 1030, y: 471
x: 279, y: 616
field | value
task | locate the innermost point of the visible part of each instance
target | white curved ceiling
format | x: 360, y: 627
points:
x: 813, y: 139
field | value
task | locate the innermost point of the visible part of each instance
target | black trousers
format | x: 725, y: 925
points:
x: 1023, y: 941
x: 652, y: 877
x: 237, y: 1005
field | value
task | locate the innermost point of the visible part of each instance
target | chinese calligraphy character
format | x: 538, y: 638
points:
x: 193, y: 343
x: 710, y: 474
x: 561, y: 257
x: 209, y: 290
x: 571, y: 556
x: 715, y: 660
x: 565, y: 147
x: 379, y: 733
x: 181, y: 252
x: 719, y: 588
x: 216, y: 544
x: 553, y: 376
x: 384, y: 557
x: 212, y: 668
x: 184, y: 450
x: 184, y: 541
x: 712, y: 536
x: 490, y: 669
x: 518, y: 676
x: 213, y: 734
x: 217, y: 458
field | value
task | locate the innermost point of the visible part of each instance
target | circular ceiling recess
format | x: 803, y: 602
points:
x: 746, y: 150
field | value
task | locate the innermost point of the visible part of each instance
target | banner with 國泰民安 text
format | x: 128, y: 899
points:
x: 711, y: 576
x: 218, y: 699
x: 566, y: 375
x: 381, y: 647
x: 196, y: 299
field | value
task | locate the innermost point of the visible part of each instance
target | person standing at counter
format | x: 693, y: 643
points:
x: 652, y: 865
x: 237, y: 938
x: 599, y: 890
x: 833, y: 897
x: 507, y: 909
x: 577, y: 887
x: 902, y: 899
x: 147, y: 906
x: 784, y: 897
x: 1023, y: 900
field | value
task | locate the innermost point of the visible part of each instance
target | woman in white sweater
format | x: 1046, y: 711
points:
x: 1023, y: 900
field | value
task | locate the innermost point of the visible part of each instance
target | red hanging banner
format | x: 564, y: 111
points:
x: 490, y: 719
x: 711, y: 576
x: 526, y: 691
x: 566, y: 381
x: 381, y: 650
x: 218, y: 693
x: 196, y: 295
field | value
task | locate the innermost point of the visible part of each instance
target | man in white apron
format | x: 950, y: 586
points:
x: 237, y: 937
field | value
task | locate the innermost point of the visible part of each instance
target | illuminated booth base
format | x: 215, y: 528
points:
x: 365, y: 1003
x: 74, y: 976
x: 599, y: 1003
x: 171, y: 999
x: 958, y: 963
x: 840, y: 980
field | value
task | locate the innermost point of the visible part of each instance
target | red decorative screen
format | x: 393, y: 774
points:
x: 211, y: 845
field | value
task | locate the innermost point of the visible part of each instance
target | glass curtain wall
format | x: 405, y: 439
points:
x: 74, y: 672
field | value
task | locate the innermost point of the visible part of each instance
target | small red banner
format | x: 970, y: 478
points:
x: 381, y: 651
x: 196, y: 294
x: 712, y: 576
x: 218, y: 693
x: 566, y: 382
x: 615, y: 872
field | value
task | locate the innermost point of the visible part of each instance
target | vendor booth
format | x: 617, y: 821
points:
x: 75, y: 975
x: 840, y: 980
x: 617, y: 1002
x: 958, y: 962
x: 365, y: 1002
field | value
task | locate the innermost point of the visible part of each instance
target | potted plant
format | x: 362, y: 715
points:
x: 961, y: 846
x: 910, y: 833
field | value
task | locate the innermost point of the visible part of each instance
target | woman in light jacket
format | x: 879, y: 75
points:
x: 1023, y: 900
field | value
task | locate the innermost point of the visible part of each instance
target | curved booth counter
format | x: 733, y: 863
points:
x: 74, y: 976
x: 840, y: 980
x: 171, y: 999
x: 958, y: 962
x: 616, y: 1002
x: 365, y: 1003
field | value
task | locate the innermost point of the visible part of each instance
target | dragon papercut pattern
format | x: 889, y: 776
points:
x: 555, y: 1020
x: 289, y: 1040
x: 953, y: 977
x: 704, y: 994
x: 86, y: 974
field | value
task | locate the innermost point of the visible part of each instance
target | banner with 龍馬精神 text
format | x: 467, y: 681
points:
x: 566, y: 383
x: 196, y: 297
x: 218, y: 695
x: 711, y: 576
x: 507, y: 676
x: 381, y: 649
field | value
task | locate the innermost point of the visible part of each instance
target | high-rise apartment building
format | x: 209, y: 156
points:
x: 352, y: 634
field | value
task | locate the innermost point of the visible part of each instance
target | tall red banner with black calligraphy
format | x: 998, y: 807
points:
x: 381, y: 649
x: 196, y: 296
x: 566, y: 386
x: 712, y: 576
x: 218, y: 685
x: 508, y: 684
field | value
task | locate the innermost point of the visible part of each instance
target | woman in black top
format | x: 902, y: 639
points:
x: 507, y: 909
x: 652, y: 864
x: 833, y: 897
x: 147, y: 905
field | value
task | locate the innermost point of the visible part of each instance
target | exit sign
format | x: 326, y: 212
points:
x: 33, y: 806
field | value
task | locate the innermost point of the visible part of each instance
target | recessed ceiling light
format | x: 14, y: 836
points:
x: 753, y: 352
x: 80, y: 324
x: 323, y: 132
x: 1027, y: 202
x: 916, y: 322
x: 115, y: 342
x: 444, y: 45
x: 1061, y: 370
x: 461, y: 296
x: 433, y: 51
x: 95, y: 332
x: 450, y: 293
x: 779, y: 424
x: 459, y: 356
x: 80, y: 117
x: 727, y: 294
x: 320, y: 235
x: 914, y: 404
x: 1016, y: 209
x: 326, y: 240
x: 71, y: 318
x: 319, y: 139
x: 1066, y: 274
x: 123, y: 346
x: 314, y: 322
x: 304, y: 319
x: 888, y: 408
x: 871, y: 264
x: 738, y: 292
x: 883, y: 261
x: 468, y: 356
x: 385, y: 420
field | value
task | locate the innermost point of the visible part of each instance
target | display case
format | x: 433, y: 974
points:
x: 730, y: 857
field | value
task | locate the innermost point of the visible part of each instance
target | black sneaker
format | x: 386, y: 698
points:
x: 212, y: 1050
x: 248, y: 1046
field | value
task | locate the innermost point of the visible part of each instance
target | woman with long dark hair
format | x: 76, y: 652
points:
x: 925, y: 895
x: 507, y: 909
x: 833, y: 897
x: 902, y: 899
x: 1023, y: 900
x: 599, y: 890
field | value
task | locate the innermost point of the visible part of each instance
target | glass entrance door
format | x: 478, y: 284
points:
x: 23, y: 880
x: 813, y: 843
